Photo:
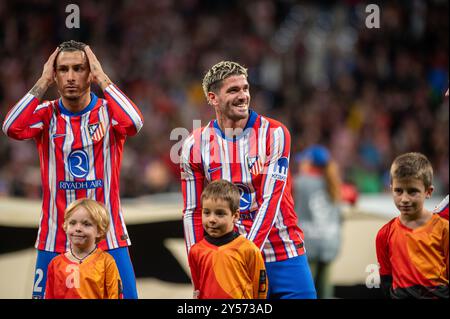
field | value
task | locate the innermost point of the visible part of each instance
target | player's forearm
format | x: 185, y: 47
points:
x: 40, y: 88
x: 267, y: 214
x: 103, y: 81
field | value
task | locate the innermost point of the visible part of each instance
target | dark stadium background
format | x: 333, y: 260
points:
x: 367, y: 94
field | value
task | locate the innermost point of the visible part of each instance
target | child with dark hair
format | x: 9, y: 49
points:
x: 224, y: 264
x: 412, y: 249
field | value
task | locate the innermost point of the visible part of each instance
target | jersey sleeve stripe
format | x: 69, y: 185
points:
x: 190, y: 201
x: 16, y: 111
x: 126, y: 106
x: 37, y: 125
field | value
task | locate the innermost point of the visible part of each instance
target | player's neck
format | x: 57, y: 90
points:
x: 417, y: 221
x: 80, y: 253
x: 230, y: 127
x: 77, y: 105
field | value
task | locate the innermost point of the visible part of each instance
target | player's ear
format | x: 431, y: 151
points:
x: 212, y: 98
x: 429, y: 191
x: 100, y: 235
x: 236, y: 216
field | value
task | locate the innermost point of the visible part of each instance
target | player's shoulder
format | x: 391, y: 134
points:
x: 106, y: 257
x: 272, y: 122
x: 105, y: 254
x: 247, y: 243
x: 442, y: 222
x: 48, y: 105
x: 198, y: 246
x: 195, y: 135
x: 274, y: 125
x: 60, y: 259
x: 387, y: 228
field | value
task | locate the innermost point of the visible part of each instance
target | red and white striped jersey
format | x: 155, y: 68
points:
x: 80, y: 156
x: 257, y: 161
x: 442, y: 208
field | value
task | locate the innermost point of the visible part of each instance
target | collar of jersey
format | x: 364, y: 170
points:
x: 251, y: 121
x: 90, y: 106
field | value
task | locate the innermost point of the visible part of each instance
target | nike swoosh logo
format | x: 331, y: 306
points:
x: 58, y: 135
x: 212, y: 170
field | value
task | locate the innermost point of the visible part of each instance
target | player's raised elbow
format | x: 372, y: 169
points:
x: 10, y: 130
x: 134, y: 129
x: 139, y: 124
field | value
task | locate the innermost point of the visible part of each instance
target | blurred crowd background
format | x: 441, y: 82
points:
x: 367, y: 94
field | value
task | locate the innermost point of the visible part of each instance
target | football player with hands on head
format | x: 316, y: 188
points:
x: 80, y: 140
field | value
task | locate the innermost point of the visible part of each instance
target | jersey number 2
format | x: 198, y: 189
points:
x: 40, y: 276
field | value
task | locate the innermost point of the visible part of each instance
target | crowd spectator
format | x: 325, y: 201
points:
x: 367, y: 94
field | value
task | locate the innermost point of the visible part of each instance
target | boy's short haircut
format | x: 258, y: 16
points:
x: 223, y: 190
x: 412, y: 165
x: 96, y: 210
x: 212, y: 81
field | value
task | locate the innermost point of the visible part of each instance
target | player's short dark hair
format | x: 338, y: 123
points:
x: 223, y: 190
x: 212, y: 81
x: 412, y: 165
x: 70, y: 46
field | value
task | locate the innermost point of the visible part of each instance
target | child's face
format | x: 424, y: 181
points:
x: 409, y: 195
x: 217, y: 217
x: 82, y: 231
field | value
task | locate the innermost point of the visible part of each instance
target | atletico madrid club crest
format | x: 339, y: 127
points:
x: 96, y: 131
x: 254, y: 164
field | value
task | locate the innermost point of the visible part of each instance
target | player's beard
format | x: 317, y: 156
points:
x: 236, y: 113
x: 76, y: 95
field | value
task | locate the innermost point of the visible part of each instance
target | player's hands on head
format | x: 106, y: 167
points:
x: 48, y: 74
x: 97, y: 73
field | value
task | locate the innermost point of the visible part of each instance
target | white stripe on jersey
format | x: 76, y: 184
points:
x: 188, y: 220
x: 15, y: 112
x: 262, y: 139
x: 269, y: 252
x: 122, y: 221
x: 67, y: 148
x: 37, y: 125
x: 283, y: 233
x: 104, y: 117
x: 269, y: 185
x: 206, y: 151
x: 225, y: 159
x: 244, y: 151
x: 42, y: 106
x: 52, y: 212
x: 88, y: 146
x: 36, y: 244
x: 111, y: 235
x: 440, y: 207
x: 241, y: 228
x: 125, y: 105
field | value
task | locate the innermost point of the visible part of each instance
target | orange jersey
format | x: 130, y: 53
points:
x: 97, y: 277
x: 417, y: 259
x: 235, y: 270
